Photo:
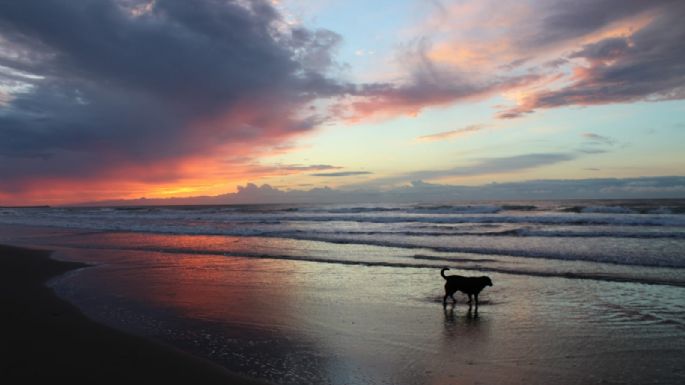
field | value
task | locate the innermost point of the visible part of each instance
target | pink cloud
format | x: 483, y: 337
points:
x: 452, y: 134
x: 643, y: 63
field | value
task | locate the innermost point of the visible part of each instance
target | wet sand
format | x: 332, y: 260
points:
x: 43, y: 338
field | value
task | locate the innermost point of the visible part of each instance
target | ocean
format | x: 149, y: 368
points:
x: 624, y: 240
x: 584, y: 292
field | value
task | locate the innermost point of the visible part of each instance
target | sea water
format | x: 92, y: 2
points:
x: 625, y: 240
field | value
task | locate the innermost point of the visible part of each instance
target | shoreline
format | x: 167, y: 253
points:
x: 46, y: 338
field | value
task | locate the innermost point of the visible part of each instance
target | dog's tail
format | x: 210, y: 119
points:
x: 442, y: 272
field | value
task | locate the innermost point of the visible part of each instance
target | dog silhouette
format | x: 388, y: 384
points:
x: 470, y: 286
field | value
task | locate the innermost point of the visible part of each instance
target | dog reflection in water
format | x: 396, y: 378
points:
x: 469, y: 318
x: 470, y: 286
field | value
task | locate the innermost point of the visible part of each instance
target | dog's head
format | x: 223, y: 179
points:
x: 487, y: 281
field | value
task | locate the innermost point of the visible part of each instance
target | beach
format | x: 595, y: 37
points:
x: 46, y: 339
x: 267, y: 191
x: 288, y: 310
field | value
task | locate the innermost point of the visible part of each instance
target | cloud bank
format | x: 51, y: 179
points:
x: 418, y: 191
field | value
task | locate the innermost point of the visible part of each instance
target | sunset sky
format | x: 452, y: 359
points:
x: 123, y: 99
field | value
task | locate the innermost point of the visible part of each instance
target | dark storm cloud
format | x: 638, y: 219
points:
x: 111, y: 84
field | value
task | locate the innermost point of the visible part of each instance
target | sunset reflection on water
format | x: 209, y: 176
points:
x: 208, y: 287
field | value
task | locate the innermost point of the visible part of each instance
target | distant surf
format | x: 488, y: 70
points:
x: 630, y: 234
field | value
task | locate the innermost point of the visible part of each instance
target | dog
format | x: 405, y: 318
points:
x: 470, y: 286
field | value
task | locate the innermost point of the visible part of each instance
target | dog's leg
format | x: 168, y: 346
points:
x: 444, y: 300
x: 476, y: 295
x: 470, y: 298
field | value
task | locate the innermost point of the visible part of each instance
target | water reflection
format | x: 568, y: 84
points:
x: 464, y: 330
x: 468, y: 318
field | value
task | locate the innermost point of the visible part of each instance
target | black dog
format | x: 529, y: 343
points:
x: 470, y: 286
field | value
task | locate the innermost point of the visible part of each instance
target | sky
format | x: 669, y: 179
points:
x: 106, y: 100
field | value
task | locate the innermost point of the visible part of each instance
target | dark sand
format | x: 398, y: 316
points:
x: 43, y: 338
